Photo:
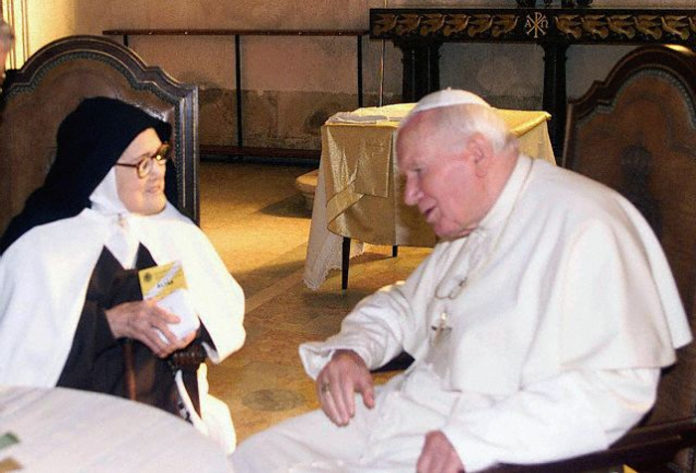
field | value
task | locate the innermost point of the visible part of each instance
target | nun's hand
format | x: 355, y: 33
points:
x: 143, y: 321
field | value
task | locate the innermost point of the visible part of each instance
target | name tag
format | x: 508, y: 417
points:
x: 160, y: 281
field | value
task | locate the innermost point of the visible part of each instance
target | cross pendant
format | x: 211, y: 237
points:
x: 440, y: 328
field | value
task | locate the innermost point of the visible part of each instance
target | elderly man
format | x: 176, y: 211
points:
x: 538, y: 324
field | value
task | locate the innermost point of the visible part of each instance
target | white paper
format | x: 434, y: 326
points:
x: 179, y: 303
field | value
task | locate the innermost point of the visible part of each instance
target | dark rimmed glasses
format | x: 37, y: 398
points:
x: 145, y: 165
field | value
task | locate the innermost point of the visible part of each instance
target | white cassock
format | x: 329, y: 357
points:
x: 539, y: 336
x: 44, y: 277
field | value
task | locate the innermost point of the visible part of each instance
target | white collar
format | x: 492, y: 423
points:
x: 477, y: 248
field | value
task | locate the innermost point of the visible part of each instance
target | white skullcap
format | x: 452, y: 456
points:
x: 484, y: 120
x: 447, y: 98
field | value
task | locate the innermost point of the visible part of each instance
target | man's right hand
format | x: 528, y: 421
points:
x: 345, y: 375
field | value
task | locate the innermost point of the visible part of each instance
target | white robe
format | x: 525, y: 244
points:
x: 44, y: 277
x: 561, y: 310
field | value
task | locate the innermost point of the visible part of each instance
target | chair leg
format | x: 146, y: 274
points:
x: 345, y: 254
x: 395, y: 251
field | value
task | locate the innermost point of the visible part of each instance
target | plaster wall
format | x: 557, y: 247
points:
x: 49, y: 20
x: 292, y: 84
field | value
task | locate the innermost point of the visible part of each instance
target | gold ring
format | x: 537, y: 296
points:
x: 324, y: 388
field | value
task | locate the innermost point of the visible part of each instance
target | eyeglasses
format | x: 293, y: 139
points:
x: 145, y: 165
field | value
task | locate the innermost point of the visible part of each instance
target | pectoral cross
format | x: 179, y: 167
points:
x: 440, y: 329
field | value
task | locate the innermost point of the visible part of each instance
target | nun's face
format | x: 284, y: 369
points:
x: 144, y: 195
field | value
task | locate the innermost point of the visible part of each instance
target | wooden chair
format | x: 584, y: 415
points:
x: 52, y: 83
x: 636, y: 132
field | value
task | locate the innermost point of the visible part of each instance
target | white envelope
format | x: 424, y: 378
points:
x: 179, y: 303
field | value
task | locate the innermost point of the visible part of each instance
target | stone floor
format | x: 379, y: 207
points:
x: 259, y: 225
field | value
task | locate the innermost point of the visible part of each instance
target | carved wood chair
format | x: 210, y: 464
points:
x: 52, y: 83
x: 636, y: 132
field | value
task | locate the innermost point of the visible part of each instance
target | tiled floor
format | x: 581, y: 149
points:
x: 259, y: 225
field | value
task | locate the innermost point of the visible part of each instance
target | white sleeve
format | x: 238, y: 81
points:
x: 572, y: 414
x: 381, y: 325
x: 373, y: 330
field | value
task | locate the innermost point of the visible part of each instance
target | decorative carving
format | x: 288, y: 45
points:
x: 621, y: 25
x: 408, y: 23
x: 570, y: 25
x: 649, y: 25
x: 537, y: 24
x: 384, y: 23
x: 595, y: 25
x: 676, y: 25
x: 456, y: 24
x: 473, y: 26
x: 564, y: 3
x: 503, y: 24
x: 432, y: 23
x: 625, y: 26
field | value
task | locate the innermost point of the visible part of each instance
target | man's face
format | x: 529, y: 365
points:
x: 442, y: 178
x: 144, y: 195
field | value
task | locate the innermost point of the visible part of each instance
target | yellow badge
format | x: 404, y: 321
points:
x: 160, y: 281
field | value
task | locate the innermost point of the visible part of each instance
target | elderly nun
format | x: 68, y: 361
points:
x: 72, y: 311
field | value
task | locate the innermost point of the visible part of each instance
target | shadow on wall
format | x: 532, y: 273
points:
x: 293, y: 120
x: 280, y: 119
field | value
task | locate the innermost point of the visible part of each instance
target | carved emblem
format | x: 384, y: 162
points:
x: 537, y: 25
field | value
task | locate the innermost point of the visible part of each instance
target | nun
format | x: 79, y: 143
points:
x: 72, y: 306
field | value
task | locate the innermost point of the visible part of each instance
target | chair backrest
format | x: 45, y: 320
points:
x: 636, y: 132
x: 53, y: 82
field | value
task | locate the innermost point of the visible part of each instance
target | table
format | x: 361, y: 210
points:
x: 68, y: 430
x: 359, y: 192
x: 420, y: 30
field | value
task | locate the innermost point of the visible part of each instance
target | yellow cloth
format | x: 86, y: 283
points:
x: 363, y: 188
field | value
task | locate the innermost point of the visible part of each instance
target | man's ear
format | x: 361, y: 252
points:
x: 481, y: 151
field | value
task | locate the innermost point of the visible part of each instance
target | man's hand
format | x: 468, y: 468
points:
x: 338, y: 382
x: 141, y: 320
x: 438, y: 455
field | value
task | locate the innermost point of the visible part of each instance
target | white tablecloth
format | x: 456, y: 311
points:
x: 63, y: 430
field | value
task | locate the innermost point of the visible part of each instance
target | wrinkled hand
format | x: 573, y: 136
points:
x: 140, y: 321
x: 338, y: 382
x: 438, y: 455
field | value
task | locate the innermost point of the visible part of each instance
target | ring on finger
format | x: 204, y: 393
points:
x: 324, y: 388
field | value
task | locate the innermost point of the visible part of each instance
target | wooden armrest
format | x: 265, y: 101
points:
x: 642, y: 447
